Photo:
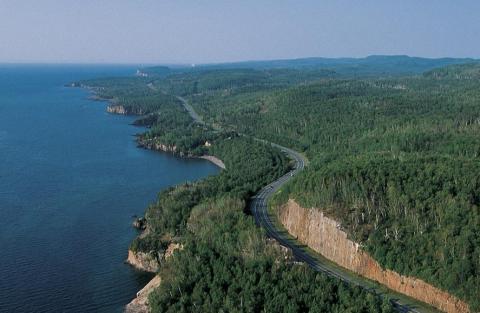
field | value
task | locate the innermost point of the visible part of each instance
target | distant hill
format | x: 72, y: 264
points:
x: 375, y: 65
x: 371, y: 65
x: 462, y: 71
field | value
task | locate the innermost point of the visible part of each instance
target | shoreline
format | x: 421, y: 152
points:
x: 139, y: 303
x: 213, y: 159
x: 118, y: 109
x: 172, y: 150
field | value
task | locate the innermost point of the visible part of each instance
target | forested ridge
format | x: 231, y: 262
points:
x: 394, y: 159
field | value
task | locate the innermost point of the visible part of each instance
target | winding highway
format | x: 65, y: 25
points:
x: 259, y: 208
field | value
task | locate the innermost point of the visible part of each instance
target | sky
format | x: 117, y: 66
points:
x: 210, y: 31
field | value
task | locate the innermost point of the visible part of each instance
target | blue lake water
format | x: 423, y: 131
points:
x: 71, y: 178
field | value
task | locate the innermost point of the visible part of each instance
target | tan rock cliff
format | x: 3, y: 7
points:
x: 140, y: 303
x: 143, y: 261
x: 120, y: 109
x: 153, y: 144
x: 324, y: 235
x: 116, y: 109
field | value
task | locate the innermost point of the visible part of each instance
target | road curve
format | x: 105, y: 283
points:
x: 259, y: 208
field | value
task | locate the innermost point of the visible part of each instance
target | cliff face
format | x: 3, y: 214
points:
x: 120, y: 109
x: 147, y: 262
x: 143, y: 261
x: 116, y: 109
x: 154, y: 145
x: 140, y: 303
x: 324, y: 235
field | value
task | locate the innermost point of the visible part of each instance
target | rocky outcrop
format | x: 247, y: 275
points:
x: 324, y: 235
x: 171, y: 249
x: 116, y: 109
x: 144, y: 261
x: 123, y: 110
x: 140, y: 223
x: 153, y: 144
x: 214, y: 160
x: 140, y: 303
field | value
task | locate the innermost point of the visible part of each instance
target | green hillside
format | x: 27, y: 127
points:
x: 394, y: 158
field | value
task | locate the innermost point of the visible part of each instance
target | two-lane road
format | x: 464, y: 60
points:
x: 259, y: 209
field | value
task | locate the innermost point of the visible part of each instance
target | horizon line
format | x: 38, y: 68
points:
x: 185, y: 63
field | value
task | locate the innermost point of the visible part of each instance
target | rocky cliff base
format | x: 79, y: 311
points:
x: 154, y: 145
x: 324, y: 235
x: 120, y: 109
x: 147, y: 262
x: 144, y: 261
x: 140, y: 303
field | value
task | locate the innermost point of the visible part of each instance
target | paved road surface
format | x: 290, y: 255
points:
x: 191, y: 111
x: 197, y: 118
x: 259, y: 209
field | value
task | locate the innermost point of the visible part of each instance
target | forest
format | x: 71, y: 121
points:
x: 394, y: 158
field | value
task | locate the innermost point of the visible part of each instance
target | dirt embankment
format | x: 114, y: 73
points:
x: 324, y: 235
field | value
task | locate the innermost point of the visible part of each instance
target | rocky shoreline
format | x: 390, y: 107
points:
x: 149, y: 144
x: 152, y: 145
x: 151, y: 261
x: 123, y: 110
x: 113, y: 106
x: 146, y: 261
x: 214, y: 160
x: 140, y: 303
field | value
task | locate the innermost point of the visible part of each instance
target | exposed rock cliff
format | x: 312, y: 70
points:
x: 144, y: 261
x: 171, y: 249
x: 155, y: 145
x: 152, y: 144
x: 123, y: 110
x: 140, y: 303
x: 214, y: 160
x: 324, y: 235
x: 116, y: 109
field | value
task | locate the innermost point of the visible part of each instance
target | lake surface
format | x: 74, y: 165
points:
x: 71, y: 178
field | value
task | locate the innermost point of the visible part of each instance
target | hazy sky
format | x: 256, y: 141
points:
x: 188, y: 31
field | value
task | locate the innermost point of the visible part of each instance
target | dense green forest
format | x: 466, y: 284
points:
x: 228, y: 267
x: 394, y: 158
x: 134, y: 94
x: 227, y: 263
